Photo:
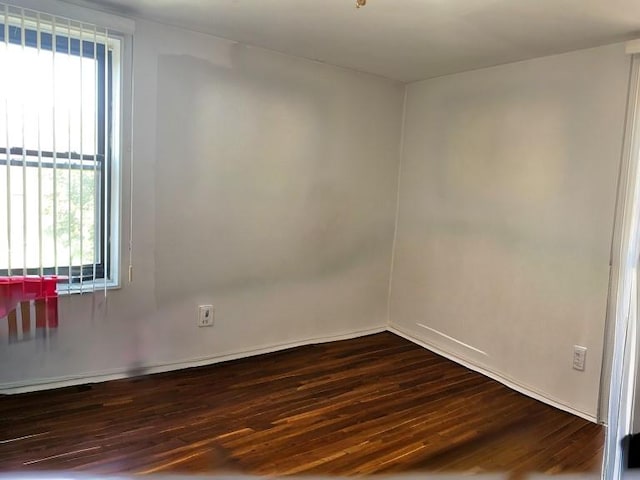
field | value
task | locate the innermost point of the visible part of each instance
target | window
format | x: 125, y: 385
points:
x: 59, y: 152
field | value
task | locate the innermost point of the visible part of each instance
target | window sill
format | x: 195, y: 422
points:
x: 88, y: 287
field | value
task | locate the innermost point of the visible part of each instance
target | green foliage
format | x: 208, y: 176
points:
x: 76, y: 214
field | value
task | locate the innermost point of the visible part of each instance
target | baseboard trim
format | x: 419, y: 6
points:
x: 499, y: 377
x: 117, y: 374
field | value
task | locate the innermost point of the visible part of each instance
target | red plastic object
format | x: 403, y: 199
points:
x: 5, y: 297
x: 32, y: 287
x: 49, y: 285
x: 11, y: 292
x: 17, y: 289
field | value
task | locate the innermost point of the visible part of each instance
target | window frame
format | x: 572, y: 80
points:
x: 104, y: 273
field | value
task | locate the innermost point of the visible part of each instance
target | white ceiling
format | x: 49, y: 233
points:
x: 401, y: 39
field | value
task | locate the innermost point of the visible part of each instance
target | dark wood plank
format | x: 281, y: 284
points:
x: 25, y: 311
x: 377, y: 404
x: 12, y: 320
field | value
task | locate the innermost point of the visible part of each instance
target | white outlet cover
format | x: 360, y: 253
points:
x: 579, y: 357
x: 205, y: 315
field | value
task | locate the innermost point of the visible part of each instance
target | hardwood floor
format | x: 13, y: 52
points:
x: 377, y: 404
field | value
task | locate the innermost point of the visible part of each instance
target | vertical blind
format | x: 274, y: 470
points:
x: 56, y: 80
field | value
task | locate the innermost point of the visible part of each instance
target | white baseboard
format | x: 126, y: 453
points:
x: 116, y: 374
x: 499, y: 377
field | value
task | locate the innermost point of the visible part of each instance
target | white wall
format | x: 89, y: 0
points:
x: 264, y: 184
x: 508, y: 183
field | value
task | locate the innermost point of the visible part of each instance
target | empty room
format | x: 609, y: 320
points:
x: 337, y: 237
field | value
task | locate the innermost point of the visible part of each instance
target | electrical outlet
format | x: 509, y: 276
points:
x: 579, y: 357
x: 205, y: 315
